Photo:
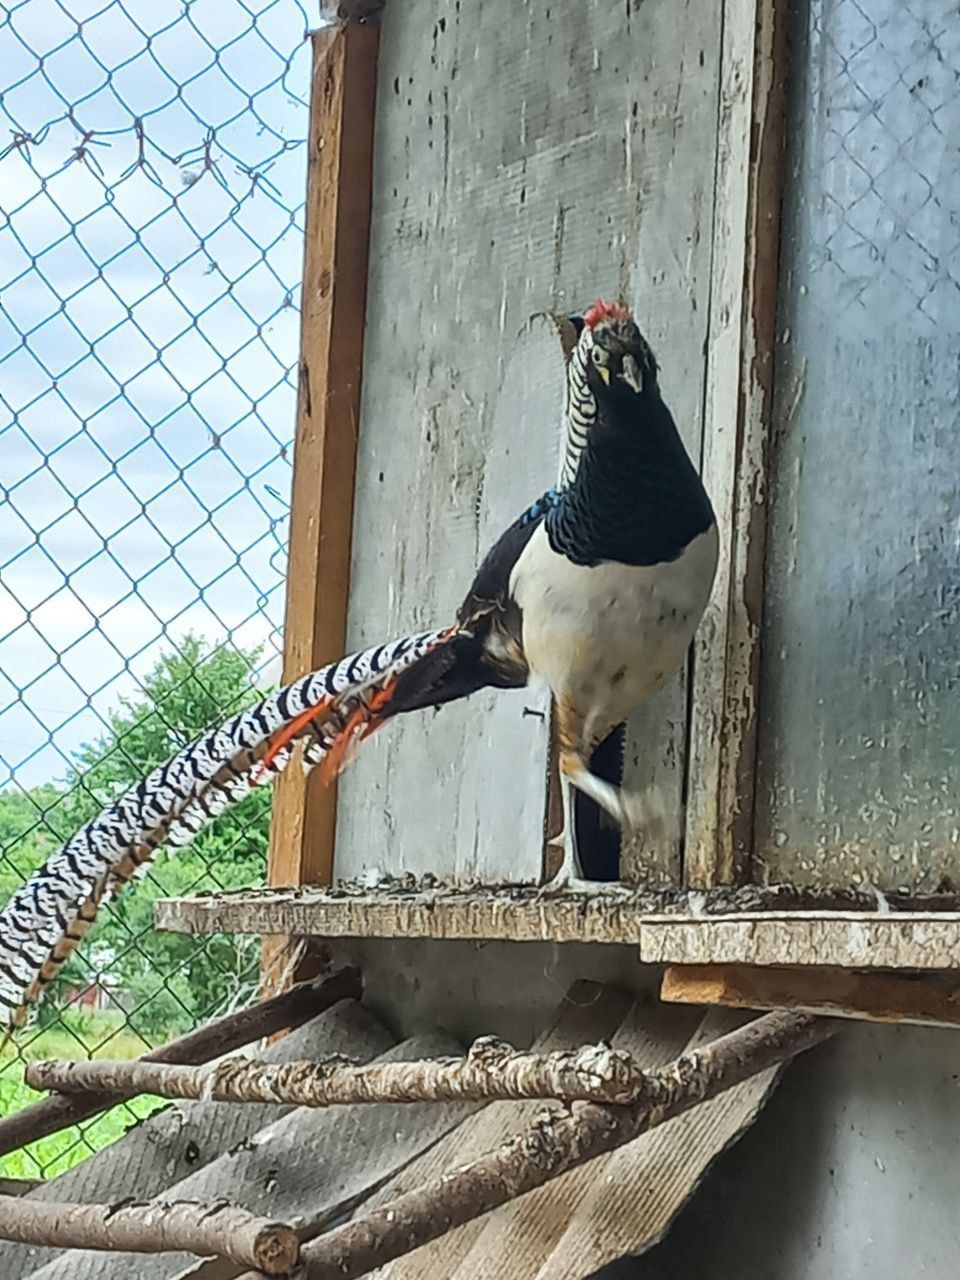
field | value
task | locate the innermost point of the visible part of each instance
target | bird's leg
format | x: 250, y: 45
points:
x: 570, y: 876
x: 569, y: 726
x: 626, y: 810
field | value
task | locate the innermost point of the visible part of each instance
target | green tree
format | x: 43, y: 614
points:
x: 28, y: 832
x: 167, y: 981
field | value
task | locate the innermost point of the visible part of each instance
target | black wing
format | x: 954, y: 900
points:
x: 491, y: 586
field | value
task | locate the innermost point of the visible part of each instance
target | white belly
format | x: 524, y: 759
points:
x: 610, y: 636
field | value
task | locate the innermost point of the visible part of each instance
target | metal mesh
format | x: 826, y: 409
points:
x: 856, y: 756
x: 151, y: 196
x: 882, y: 104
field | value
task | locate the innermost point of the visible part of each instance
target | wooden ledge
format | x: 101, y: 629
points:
x: 925, y: 999
x: 667, y: 928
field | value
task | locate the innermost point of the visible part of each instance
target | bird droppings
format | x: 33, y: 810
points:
x: 431, y: 890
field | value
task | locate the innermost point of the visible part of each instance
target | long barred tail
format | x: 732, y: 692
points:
x: 46, y: 918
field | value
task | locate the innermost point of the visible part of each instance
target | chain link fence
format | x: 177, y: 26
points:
x: 881, y: 89
x: 152, y: 167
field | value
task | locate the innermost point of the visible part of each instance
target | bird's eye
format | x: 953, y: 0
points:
x: 597, y: 356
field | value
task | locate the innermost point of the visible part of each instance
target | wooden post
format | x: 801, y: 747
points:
x: 339, y: 184
x: 739, y: 390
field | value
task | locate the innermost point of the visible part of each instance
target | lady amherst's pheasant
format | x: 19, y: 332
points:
x: 595, y: 590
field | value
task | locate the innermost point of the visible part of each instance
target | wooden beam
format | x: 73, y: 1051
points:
x: 738, y: 404
x: 339, y: 186
x: 923, y: 940
x: 817, y: 939
x: 929, y: 999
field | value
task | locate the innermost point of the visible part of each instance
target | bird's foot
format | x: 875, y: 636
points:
x: 565, y: 881
x: 568, y: 879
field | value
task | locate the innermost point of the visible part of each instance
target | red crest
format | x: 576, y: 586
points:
x: 601, y: 311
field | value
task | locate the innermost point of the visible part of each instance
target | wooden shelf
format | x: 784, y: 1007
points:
x: 667, y: 929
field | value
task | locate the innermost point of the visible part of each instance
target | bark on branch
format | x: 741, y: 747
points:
x: 491, y: 1070
x: 283, y: 1013
x: 558, y: 1141
x: 272, y: 1248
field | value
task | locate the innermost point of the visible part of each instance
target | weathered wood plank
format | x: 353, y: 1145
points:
x: 842, y: 939
x: 929, y: 999
x: 738, y: 403
x: 339, y: 182
x: 489, y: 207
x: 512, y: 916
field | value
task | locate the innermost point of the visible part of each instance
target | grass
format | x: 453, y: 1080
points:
x: 77, y: 1034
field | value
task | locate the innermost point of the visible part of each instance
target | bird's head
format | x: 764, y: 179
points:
x: 620, y: 359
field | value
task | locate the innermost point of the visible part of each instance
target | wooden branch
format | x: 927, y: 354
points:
x: 339, y: 185
x: 153, y: 1227
x: 309, y: 1226
x: 491, y: 1070
x: 928, y: 999
x: 558, y: 1141
x: 284, y: 1012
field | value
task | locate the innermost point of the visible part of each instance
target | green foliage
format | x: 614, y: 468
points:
x: 29, y: 833
x: 59, y: 1152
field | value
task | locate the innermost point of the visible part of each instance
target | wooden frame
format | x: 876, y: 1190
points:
x: 723, y: 701
x: 737, y: 404
x: 737, y: 392
x: 339, y: 185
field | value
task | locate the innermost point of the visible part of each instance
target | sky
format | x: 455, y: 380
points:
x: 152, y: 168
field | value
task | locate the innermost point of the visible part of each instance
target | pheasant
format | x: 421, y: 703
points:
x: 596, y: 590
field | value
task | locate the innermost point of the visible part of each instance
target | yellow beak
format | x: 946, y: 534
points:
x: 604, y: 373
